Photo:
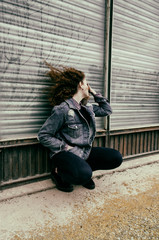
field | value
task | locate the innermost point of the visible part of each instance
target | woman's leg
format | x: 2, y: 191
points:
x: 102, y: 158
x: 71, y: 168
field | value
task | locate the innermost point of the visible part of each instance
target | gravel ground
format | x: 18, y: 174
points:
x: 124, y: 205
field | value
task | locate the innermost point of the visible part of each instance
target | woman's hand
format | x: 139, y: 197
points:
x: 69, y: 147
x: 91, y: 90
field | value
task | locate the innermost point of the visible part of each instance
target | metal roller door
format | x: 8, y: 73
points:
x: 69, y: 33
x: 135, y: 64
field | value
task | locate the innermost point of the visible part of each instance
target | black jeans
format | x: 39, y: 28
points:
x: 75, y: 170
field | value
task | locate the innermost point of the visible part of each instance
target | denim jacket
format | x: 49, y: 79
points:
x: 67, y: 126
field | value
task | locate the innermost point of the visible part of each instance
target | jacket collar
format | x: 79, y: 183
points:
x: 72, y: 104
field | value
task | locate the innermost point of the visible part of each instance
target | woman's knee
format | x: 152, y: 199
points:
x: 82, y: 175
x: 118, y: 159
x: 72, y: 168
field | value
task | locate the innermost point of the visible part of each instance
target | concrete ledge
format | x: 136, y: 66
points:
x: 45, y: 185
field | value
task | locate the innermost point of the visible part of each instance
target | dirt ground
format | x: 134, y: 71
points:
x: 124, y: 205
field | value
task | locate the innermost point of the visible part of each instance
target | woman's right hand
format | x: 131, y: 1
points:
x: 69, y: 147
x: 91, y: 90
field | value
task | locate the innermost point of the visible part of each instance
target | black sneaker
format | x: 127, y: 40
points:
x: 61, y: 185
x: 90, y: 184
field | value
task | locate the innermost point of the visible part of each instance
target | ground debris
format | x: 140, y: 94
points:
x: 123, y: 206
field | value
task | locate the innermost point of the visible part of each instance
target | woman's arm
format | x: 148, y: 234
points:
x: 103, y: 108
x: 47, y: 133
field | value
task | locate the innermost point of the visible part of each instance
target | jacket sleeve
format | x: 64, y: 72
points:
x: 47, y: 133
x: 103, y: 108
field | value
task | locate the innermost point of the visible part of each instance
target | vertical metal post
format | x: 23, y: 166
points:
x: 108, y: 53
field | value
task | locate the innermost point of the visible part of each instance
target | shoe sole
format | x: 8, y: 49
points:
x: 90, y: 188
x: 64, y: 189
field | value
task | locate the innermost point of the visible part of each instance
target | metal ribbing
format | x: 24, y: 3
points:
x: 61, y: 32
x: 135, y: 61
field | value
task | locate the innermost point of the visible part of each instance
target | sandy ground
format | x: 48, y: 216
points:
x: 124, y: 205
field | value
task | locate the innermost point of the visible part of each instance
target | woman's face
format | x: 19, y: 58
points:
x: 85, y: 88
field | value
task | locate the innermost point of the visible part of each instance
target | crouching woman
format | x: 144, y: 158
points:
x: 70, y: 131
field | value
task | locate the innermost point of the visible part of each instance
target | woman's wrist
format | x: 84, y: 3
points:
x: 93, y: 92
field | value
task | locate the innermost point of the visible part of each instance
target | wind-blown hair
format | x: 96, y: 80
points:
x: 65, y: 83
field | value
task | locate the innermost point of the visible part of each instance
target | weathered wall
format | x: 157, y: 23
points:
x: 25, y: 161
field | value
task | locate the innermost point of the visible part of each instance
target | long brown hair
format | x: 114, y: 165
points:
x: 65, y: 82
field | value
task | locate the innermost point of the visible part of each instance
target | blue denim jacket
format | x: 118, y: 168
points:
x: 67, y: 126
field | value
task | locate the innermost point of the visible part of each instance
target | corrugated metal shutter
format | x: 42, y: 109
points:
x: 135, y: 64
x: 61, y: 32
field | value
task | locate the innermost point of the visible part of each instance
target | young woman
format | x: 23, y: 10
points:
x: 70, y: 130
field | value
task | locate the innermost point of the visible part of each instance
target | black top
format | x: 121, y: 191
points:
x: 85, y: 114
